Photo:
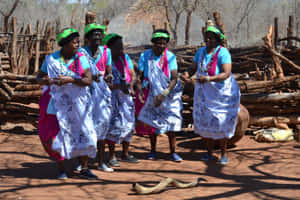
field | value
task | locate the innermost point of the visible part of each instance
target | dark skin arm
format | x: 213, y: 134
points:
x: 85, y: 80
x: 139, y: 79
x: 108, y: 76
x: 226, y: 71
x: 43, y: 78
x: 132, y: 82
x: 124, y: 86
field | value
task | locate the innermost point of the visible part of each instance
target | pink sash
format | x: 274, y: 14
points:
x: 140, y: 127
x: 76, y: 65
x: 101, y: 64
x: 214, y: 62
x: 120, y: 66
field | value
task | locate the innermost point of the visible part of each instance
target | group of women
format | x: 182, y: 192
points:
x: 88, y: 97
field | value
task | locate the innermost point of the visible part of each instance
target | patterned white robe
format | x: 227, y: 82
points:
x: 77, y: 135
x: 123, y: 120
x: 216, y: 106
x: 101, y: 101
x: 166, y: 117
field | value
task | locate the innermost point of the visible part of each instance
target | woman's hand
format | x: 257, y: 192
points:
x: 62, y: 80
x: 96, y: 77
x: 131, y: 90
x: 109, y: 80
x: 158, y: 100
x: 185, y: 77
x: 141, y: 96
x: 203, y: 79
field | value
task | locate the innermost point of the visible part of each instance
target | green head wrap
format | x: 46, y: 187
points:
x: 110, y: 36
x: 65, y: 33
x: 216, y: 31
x: 160, y: 35
x: 88, y: 28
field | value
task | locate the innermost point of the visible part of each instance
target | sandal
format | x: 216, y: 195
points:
x: 114, y: 162
x: 207, y: 157
x: 224, y: 160
x: 130, y: 159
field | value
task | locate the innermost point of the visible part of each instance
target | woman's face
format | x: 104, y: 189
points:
x: 117, y: 48
x: 96, y: 37
x: 159, y: 46
x: 210, y: 39
x: 72, y: 46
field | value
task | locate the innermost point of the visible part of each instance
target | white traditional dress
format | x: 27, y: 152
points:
x: 101, y: 94
x: 123, y: 119
x: 166, y: 117
x: 72, y: 103
x: 216, y: 104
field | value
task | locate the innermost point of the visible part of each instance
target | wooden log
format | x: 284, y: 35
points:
x: 246, y: 86
x: 26, y: 87
x: 10, y: 107
x: 8, y: 116
x: 31, y: 94
x: 276, y: 54
x: 272, y: 109
x: 15, y: 120
x: 270, y: 98
x: 10, y: 76
x: 7, y: 88
x: 4, y: 95
x: 270, y: 121
x: 268, y: 39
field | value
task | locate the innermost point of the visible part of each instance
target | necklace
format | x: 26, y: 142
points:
x: 209, y: 65
x: 63, y: 70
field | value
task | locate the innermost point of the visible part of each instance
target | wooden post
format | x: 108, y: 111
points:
x: 220, y: 24
x: 187, y: 28
x: 37, y: 47
x: 106, y: 23
x: 13, y: 56
x: 22, y: 53
x: 275, y: 32
x: 90, y: 17
x: 47, y: 35
x: 153, y: 28
x: 269, y: 46
x: 290, y: 31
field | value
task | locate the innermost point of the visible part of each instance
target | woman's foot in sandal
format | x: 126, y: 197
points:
x: 130, y: 159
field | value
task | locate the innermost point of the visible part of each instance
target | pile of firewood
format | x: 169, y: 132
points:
x: 19, y: 95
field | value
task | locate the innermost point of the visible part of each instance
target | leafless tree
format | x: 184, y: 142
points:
x: 7, y: 15
x: 189, y: 7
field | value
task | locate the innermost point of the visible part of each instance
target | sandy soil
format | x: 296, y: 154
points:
x: 255, y: 171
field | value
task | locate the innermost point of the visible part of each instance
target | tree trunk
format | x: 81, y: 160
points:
x: 187, y: 28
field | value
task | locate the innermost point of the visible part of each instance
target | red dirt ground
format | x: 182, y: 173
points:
x: 255, y: 171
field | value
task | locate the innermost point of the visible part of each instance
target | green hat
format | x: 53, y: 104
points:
x: 216, y: 31
x: 110, y: 36
x: 88, y: 28
x: 65, y: 33
x: 160, y: 35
